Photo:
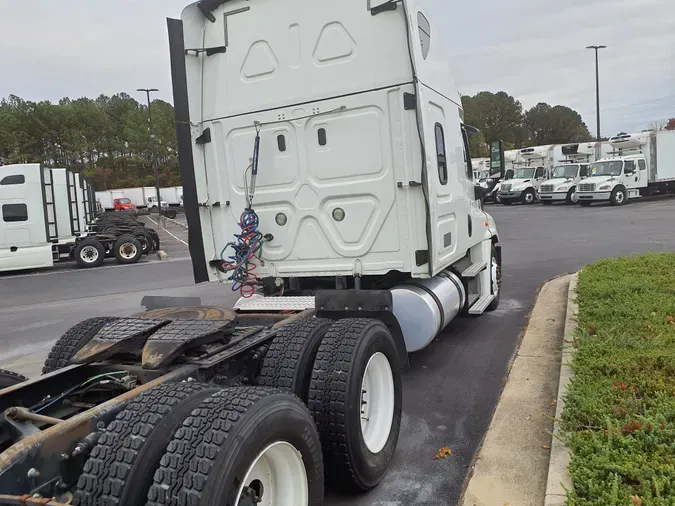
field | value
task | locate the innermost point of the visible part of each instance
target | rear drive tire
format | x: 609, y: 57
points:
x: 10, y: 378
x: 242, y: 443
x: 528, y: 197
x: 289, y: 361
x: 121, y: 467
x: 73, y: 341
x: 128, y: 250
x: 89, y: 253
x: 495, y: 280
x: 355, y: 398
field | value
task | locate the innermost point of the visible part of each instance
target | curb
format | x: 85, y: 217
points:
x: 162, y: 255
x: 559, y: 480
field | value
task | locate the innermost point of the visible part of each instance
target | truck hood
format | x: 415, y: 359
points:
x: 558, y: 182
x: 599, y: 180
x: 518, y: 184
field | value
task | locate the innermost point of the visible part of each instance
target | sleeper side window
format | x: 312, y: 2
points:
x: 15, y: 179
x: 425, y: 34
x: 14, y: 212
x: 642, y: 164
x: 441, y: 155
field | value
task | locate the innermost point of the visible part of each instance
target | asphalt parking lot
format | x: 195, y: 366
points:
x: 452, y: 387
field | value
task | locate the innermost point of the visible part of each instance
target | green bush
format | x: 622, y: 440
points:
x: 619, y: 416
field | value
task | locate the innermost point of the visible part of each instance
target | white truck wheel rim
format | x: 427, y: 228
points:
x: 619, y: 197
x: 529, y: 198
x: 89, y: 254
x: 574, y: 197
x: 377, y: 403
x: 495, y: 277
x: 277, y: 476
x: 128, y: 250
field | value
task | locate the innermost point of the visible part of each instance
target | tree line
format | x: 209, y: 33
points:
x: 501, y: 116
x: 106, y: 139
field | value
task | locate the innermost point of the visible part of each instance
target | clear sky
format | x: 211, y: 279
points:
x: 532, y: 49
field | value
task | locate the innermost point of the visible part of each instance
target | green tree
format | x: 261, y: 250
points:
x: 496, y: 115
x: 554, y: 125
x: 106, y: 138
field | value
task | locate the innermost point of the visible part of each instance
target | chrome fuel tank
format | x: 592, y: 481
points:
x: 425, y: 307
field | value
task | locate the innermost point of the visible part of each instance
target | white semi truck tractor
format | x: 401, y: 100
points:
x: 328, y: 181
x: 641, y: 164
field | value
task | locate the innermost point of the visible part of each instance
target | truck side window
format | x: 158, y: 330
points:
x: 440, y: 154
x: 541, y: 172
x: 467, y: 154
x: 642, y: 164
x: 14, y: 212
x: 15, y: 179
x: 584, y: 171
x: 630, y: 167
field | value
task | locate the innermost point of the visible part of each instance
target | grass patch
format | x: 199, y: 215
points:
x: 619, y: 415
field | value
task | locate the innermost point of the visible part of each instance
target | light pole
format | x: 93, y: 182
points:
x: 597, y: 86
x: 153, y: 139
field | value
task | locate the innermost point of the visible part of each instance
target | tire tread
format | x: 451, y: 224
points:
x: 72, y: 341
x: 110, y: 463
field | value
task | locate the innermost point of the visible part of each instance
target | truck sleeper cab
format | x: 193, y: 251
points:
x: 327, y: 177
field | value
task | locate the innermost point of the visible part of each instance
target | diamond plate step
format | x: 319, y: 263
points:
x: 474, y: 270
x: 481, y: 304
x: 123, y: 335
x: 180, y: 335
x: 260, y: 303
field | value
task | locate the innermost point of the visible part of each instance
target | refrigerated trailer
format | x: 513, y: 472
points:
x: 328, y: 180
x: 640, y: 164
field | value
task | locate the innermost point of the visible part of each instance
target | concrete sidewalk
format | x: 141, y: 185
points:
x: 513, y: 463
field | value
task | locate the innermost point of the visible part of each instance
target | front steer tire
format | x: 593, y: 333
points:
x: 619, y: 196
x: 336, y: 396
x: 10, y: 378
x: 209, y: 457
x: 120, y: 470
x: 73, y: 341
x: 289, y: 361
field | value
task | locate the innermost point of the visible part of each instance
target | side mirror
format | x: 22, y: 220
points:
x: 497, y: 160
x: 481, y: 191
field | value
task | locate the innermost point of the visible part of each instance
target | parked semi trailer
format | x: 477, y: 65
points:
x: 49, y: 216
x: 349, y: 247
x: 641, y: 164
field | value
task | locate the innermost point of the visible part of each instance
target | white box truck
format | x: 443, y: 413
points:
x: 640, y: 164
x: 571, y: 167
x: 530, y: 170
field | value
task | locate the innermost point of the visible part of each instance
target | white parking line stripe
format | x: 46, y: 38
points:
x: 165, y: 230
